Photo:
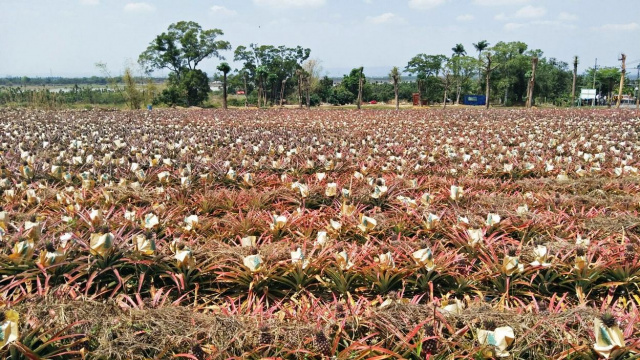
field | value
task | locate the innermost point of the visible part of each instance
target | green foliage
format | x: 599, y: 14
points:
x: 269, y: 68
x: 180, y: 50
x: 341, y: 96
x: 510, y: 77
x: 379, y: 92
x: 315, y: 100
x: 224, y: 68
x: 481, y: 46
x: 133, y: 95
x: 325, y: 88
x: 191, y: 90
x: 47, y: 99
x: 426, y: 67
x: 607, y: 80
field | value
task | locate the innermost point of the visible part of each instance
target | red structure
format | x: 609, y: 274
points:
x: 416, y: 100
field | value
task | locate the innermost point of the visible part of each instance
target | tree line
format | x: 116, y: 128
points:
x: 510, y: 73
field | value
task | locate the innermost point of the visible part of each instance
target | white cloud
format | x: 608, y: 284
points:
x: 545, y: 24
x: 530, y: 12
x: 90, y: 2
x: 221, y: 10
x: 499, y: 2
x: 140, y: 7
x: 425, y: 4
x: 290, y: 3
x: 513, y: 26
x: 465, y: 17
x: 367, y: 1
x: 384, y: 18
x: 501, y: 17
x: 618, y: 27
x: 565, y: 16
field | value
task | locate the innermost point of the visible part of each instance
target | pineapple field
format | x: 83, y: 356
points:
x: 329, y: 234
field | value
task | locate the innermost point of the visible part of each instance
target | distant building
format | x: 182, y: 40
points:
x: 215, y: 86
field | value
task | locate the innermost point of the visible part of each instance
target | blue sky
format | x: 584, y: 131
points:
x: 67, y: 37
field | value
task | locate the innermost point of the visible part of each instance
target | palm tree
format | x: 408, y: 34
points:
x: 480, y: 46
x: 395, y: 77
x: 459, y: 50
x: 225, y: 68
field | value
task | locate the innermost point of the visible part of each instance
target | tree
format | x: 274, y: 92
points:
x: 532, y: 82
x: 463, y: 67
x: 514, y: 63
x: 354, y: 83
x: 300, y: 74
x: 606, y: 79
x: 192, y: 89
x: 459, y: 50
x: 225, y: 69
x: 395, y: 77
x: 267, y: 66
x: 313, y: 68
x: 325, y: 88
x: 480, y: 46
x: 111, y: 80
x: 446, y: 82
x: 360, y: 86
x: 424, y: 67
x: 487, y: 71
x: 133, y: 95
x: 180, y: 50
x: 554, y: 80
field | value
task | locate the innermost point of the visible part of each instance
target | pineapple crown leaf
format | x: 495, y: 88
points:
x: 49, y: 247
x: 608, y: 319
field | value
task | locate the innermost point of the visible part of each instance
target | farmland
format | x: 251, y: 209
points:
x: 203, y: 234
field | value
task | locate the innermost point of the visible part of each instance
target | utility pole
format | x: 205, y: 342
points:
x: 623, y: 58
x: 595, y: 71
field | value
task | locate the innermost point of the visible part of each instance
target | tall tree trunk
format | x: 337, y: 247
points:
x: 259, y: 93
x: 623, y: 58
x: 419, y: 93
x: 479, y: 71
x: 444, y: 101
x: 575, y: 76
x: 284, y: 83
x: 224, y: 90
x: 532, y: 82
x: 300, y: 91
x: 308, y: 88
x: 458, y: 91
x: 360, y: 91
x: 487, y: 80
x: 395, y: 91
x: 246, y: 95
x: 264, y: 95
